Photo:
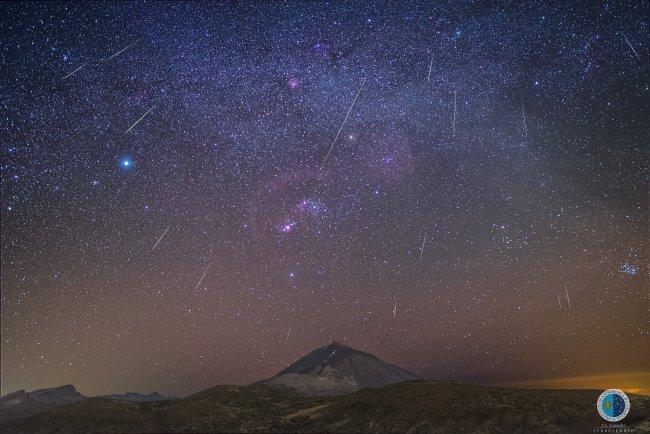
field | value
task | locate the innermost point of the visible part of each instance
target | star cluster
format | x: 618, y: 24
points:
x: 458, y: 188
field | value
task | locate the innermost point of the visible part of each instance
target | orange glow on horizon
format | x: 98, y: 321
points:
x: 630, y: 382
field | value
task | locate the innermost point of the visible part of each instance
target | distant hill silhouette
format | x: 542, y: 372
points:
x: 21, y: 403
x: 138, y: 397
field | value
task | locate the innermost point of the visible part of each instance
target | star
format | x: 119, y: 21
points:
x: 126, y: 163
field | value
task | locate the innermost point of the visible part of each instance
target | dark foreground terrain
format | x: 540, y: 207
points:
x: 415, y: 406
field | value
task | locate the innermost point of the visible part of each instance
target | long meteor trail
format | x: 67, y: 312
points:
x: 343, y: 124
x: 141, y: 117
x: 160, y: 239
x: 120, y: 52
x: 202, y: 276
x: 631, y: 47
x: 75, y: 71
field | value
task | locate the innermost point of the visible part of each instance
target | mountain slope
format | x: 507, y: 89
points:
x: 450, y: 407
x: 341, y: 368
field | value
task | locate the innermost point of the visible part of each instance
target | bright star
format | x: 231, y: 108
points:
x: 288, y: 226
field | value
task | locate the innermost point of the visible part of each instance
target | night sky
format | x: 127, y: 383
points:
x: 200, y: 193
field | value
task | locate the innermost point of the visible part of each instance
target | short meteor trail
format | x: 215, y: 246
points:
x: 288, y: 334
x: 631, y: 47
x: 454, y: 121
x: 202, y: 276
x: 430, y: 68
x: 424, y: 239
x: 159, y: 239
x: 343, y: 124
x: 395, y: 308
x: 523, y: 113
x: 120, y: 52
x: 75, y: 71
x: 567, y: 296
x: 141, y: 117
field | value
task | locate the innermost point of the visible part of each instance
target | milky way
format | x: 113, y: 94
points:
x: 171, y: 218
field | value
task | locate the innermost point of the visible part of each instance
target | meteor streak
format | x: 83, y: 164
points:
x: 138, y: 121
x: 75, y: 70
x: 567, y: 296
x: 159, y: 239
x: 120, y: 52
x: 343, y: 124
x: 523, y: 113
x: 631, y: 47
x: 424, y: 239
x: 202, y: 276
x: 454, y: 120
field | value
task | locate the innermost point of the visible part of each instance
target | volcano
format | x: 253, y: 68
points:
x: 338, y: 369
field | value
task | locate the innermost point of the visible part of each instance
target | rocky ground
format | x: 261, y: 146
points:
x: 415, y: 406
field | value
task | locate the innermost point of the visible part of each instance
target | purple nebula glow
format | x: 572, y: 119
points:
x: 293, y: 82
x: 313, y: 207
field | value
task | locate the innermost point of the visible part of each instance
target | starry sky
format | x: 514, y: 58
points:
x: 200, y: 193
